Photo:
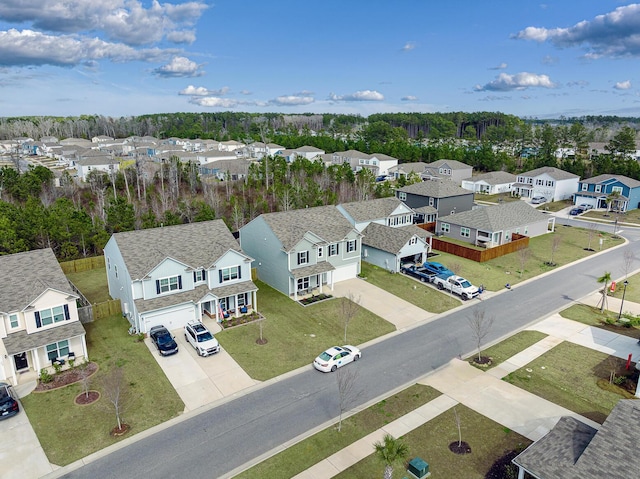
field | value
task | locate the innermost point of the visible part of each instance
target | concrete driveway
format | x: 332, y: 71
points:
x: 201, y: 381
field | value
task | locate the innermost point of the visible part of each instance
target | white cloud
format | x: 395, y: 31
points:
x: 179, y: 67
x: 212, y: 101
x: 409, y: 98
x: 495, y: 98
x: 578, y: 83
x: 245, y: 92
x: 622, y: 85
x: 614, y: 34
x: 519, y: 81
x: 409, y: 46
x: 362, y: 95
x: 202, y: 91
x: 501, y: 66
x: 292, y: 100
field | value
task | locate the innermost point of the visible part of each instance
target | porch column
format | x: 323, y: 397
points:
x: 254, y: 294
x: 319, y: 281
x: 520, y: 473
x: 84, y: 347
x: 14, y: 374
x: 235, y: 301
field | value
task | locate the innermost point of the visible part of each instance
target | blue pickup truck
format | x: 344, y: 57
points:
x: 418, y: 272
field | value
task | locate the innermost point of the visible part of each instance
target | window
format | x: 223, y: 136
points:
x: 199, y: 276
x: 115, y: 270
x: 108, y: 263
x: 616, y: 189
x: 549, y: 182
x: 585, y: 187
x: 465, y: 232
x: 58, y: 350
x: 166, y: 285
x: 13, y: 321
x: 46, y: 317
x: 402, y: 196
x: 445, y: 227
x: 320, y: 251
x: 431, y: 201
x: 413, y: 240
x: 303, y: 283
x: 229, y: 274
x: 598, y: 188
x: 303, y: 257
x: 539, y: 182
x: 351, y: 246
x: 333, y: 249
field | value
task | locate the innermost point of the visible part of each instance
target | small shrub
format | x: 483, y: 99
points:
x: 140, y: 337
x: 57, y: 366
x: 45, y: 376
x: 72, y: 363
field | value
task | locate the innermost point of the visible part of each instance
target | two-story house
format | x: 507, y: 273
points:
x: 39, y: 320
x: 405, y: 169
x: 299, y: 251
x: 491, y: 183
x: 445, y: 196
x: 552, y: 183
x: 453, y: 170
x: 389, y: 236
x: 176, y: 274
x: 378, y: 163
x: 615, y: 192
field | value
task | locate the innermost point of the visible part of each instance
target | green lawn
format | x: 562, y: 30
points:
x: 568, y: 375
x: 415, y: 292
x: 296, y: 334
x: 323, y: 444
x: 593, y: 317
x: 502, y: 351
x: 68, y: 432
x: 489, y: 442
x: 92, y: 283
x: 494, y: 274
x: 630, y: 217
x: 498, y: 198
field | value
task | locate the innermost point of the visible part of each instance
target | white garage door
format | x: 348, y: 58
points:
x: 171, y: 319
x: 345, y: 272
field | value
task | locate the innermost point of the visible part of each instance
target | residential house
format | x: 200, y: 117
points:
x: 213, y: 156
x: 492, y: 183
x: 308, y: 152
x: 259, y: 149
x: 446, y: 197
x: 40, y: 322
x: 491, y: 226
x: 453, y: 170
x: 176, y: 274
x: 378, y: 163
x: 552, y: 183
x: 97, y: 161
x: 405, y: 169
x: 299, y: 251
x: 621, y: 192
x: 226, y: 169
x: 389, y: 235
x: 575, y: 450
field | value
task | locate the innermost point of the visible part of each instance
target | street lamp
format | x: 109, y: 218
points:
x: 623, y: 293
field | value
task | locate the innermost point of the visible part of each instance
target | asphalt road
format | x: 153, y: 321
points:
x: 222, y: 439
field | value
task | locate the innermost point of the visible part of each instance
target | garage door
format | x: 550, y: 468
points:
x: 345, y: 272
x: 174, y: 318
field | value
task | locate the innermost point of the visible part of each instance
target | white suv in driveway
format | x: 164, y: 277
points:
x: 201, y: 338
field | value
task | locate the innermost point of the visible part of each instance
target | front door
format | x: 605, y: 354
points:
x: 20, y: 361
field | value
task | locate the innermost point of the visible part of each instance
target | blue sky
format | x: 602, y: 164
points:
x: 131, y: 57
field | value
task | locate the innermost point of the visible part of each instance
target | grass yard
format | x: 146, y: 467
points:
x: 69, y: 432
x: 630, y: 217
x: 296, y: 334
x: 489, y: 442
x: 92, y: 283
x: 593, y: 317
x: 323, y: 444
x: 415, y: 292
x: 494, y: 274
x: 502, y: 351
x: 498, y: 198
x: 568, y: 375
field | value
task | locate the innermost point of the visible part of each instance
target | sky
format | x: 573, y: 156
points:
x: 131, y: 57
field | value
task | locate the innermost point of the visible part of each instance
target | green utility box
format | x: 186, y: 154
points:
x: 418, y: 468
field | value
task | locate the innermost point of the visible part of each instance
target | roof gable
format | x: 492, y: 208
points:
x: 435, y: 189
x: 389, y: 239
x: 555, y: 173
x: 370, y: 210
x: 497, y: 218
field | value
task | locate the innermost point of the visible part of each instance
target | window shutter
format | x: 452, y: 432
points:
x: 38, y: 321
x: 157, y: 286
x: 239, y: 272
x: 204, y: 274
x: 220, y: 272
x: 67, y: 316
x: 179, y: 282
x: 337, y: 248
x: 194, y: 277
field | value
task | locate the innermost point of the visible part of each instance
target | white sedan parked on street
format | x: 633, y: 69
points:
x: 336, y: 357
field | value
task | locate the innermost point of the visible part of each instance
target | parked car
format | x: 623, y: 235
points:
x: 457, y: 285
x: 418, y: 272
x: 164, y: 341
x: 576, y: 211
x: 437, y: 268
x: 538, y: 200
x: 586, y: 206
x: 336, y: 357
x: 8, y: 401
x: 201, y: 338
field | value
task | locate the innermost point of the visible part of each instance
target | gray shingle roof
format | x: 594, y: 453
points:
x: 417, y: 167
x: 435, y: 189
x: 371, y: 209
x: 630, y: 182
x: 453, y: 164
x: 494, y: 178
x: 573, y: 450
x: 20, y: 341
x: 198, y: 245
x: 389, y: 239
x: 497, y: 218
x: 555, y: 173
x: 325, y: 222
x: 27, y: 275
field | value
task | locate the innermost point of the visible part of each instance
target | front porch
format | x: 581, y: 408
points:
x: 310, y: 280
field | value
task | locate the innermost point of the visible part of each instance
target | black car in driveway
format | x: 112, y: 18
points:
x: 163, y: 340
x: 8, y: 401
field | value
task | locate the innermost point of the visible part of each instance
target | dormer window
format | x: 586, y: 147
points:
x: 166, y: 285
x: 199, y: 276
x: 303, y: 257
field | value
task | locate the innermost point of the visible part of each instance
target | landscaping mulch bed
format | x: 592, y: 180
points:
x: 460, y: 447
x: 89, y: 397
x: 240, y: 321
x: 64, y: 378
x: 315, y: 299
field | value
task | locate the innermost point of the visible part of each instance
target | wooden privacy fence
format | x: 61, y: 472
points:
x: 106, y: 309
x: 83, y: 264
x: 517, y: 242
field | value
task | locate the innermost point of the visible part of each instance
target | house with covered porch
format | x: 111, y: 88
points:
x: 39, y: 322
x: 614, y: 192
x: 176, y: 274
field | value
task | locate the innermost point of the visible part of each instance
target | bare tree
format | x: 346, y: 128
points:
x: 628, y: 258
x: 456, y: 417
x: 348, y: 392
x: 85, y: 377
x: 350, y: 306
x: 480, y: 325
x: 114, y: 387
x: 556, y: 241
x: 523, y: 256
x: 456, y: 268
x: 591, y: 232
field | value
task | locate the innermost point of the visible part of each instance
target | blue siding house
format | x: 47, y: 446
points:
x: 623, y: 192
